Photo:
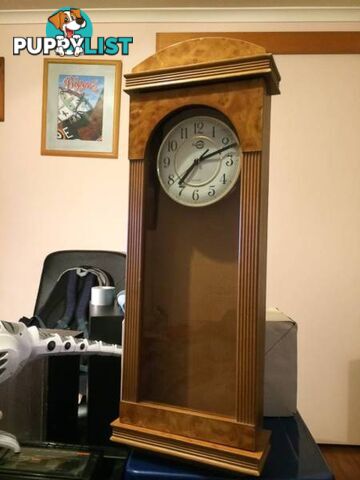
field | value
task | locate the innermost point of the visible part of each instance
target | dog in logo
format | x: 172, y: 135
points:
x: 69, y: 22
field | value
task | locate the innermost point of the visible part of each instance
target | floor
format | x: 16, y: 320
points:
x: 344, y: 461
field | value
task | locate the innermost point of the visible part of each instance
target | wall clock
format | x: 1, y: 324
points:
x: 199, y: 160
x: 196, y: 264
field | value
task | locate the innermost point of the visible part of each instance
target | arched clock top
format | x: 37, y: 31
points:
x: 199, y: 50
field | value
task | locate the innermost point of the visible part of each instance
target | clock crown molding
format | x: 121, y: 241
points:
x: 230, y: 59
x: 195, y: 15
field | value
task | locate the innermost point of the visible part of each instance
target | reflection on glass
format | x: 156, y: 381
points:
x: 189, y: 331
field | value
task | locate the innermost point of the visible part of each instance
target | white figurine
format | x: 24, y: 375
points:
x: 20, y: 345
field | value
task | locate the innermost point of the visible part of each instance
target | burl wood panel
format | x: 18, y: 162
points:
x: 2, y: 89
x: 189, y: 424
x: 278, y: 43
x: 195, y: 51
x: 240, y: 101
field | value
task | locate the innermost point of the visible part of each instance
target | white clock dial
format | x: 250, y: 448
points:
x: 199, y: 161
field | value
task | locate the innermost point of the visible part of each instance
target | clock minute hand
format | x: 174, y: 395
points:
x: 188, y: 170
x: 204, y: 157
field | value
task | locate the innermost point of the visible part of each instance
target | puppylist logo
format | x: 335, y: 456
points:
x: 69, y: 32
x: 75, y: 26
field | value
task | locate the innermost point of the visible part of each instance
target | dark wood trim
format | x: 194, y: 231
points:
x: 2, y: 89
x: 279, y: 43
x: 130, y: 376
x: 250, y: 313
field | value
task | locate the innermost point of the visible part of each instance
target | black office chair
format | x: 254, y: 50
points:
x: 45, y: 392
x: 57, y: 262
x: 65, y: 422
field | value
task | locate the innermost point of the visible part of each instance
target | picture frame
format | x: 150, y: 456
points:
x: 2, y: 89
x: 81, y: 107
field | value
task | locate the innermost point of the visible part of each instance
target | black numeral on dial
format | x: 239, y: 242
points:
x: 183, y: 133
x: 166, y: 162
x: 199, y: 128
x: 229, y: 162
x: 195, y: 195
x: 211, y: 191
x: 172, y: 145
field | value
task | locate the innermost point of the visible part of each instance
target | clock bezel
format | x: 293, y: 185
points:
x: 174, y: 121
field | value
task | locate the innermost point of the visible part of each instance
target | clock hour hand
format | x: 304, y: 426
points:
x: 189, y: 170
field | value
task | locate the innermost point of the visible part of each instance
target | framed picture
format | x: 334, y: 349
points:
x: 2, y: 89
x: 81, y: 106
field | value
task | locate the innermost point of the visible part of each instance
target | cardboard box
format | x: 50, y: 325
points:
x: 280, y: 377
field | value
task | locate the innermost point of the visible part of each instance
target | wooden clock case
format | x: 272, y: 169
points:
x: 196, y: 277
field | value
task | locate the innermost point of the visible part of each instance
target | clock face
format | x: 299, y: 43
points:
x: 199, y: 161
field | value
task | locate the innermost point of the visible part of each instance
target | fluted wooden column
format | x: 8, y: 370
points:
x: 133, y: 282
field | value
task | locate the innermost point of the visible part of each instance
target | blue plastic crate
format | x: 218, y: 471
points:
x: 294, y: 455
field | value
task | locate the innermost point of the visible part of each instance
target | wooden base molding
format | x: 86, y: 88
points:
x: 234, y: 459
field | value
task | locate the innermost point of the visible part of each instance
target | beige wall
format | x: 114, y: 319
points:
x: 314, y: 234
x: 52, y: 203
